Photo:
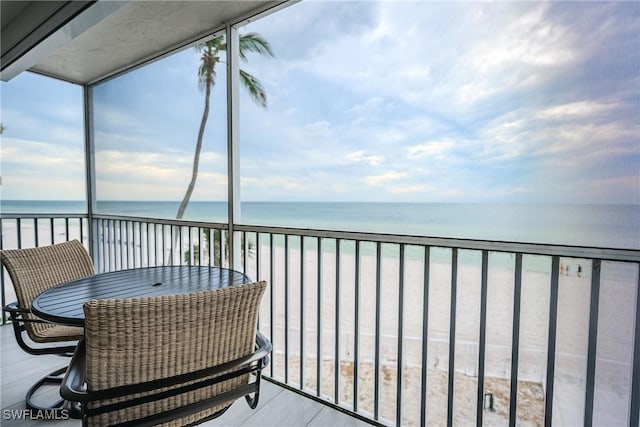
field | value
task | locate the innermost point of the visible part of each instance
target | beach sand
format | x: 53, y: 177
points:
x: 613, y: 368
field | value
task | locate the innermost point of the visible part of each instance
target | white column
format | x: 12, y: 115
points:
x: 90, y: 172
x: 233, y: 142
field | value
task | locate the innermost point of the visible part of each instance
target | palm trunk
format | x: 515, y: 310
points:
x: 196, y: 157
x: 194, y: 173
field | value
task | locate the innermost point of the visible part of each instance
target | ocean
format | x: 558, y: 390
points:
x: 605, y: 226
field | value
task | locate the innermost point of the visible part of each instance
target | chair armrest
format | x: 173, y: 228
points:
x: 74, y: 388
x: 263, y: 349
x: 14, y: 309
x: 73, y: 385
x: 17, y: 314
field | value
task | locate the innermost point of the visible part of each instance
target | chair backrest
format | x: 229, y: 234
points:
x: 34, y: 270
x: 137, y: 340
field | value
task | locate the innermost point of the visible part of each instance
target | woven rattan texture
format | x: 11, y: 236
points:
x: 142, y: 339
x: 34, y: 270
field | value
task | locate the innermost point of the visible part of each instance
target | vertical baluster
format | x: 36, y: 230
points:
x: 148, y: 244
x: 258, y: 256
x: 190, y: 247
x: 319, y: 323
x: 593, y: 342
x: 51, y: 230
x: 336, y: 369
x: 223, y: 246
x: 127, y: 231
x: 66, y: 229
x: 258, y: 272
x: 302, y: 272
x: 116, y: 245
x: 112, y: 244
x: 245, y: 245
x: 452, y: 336
x: 400, y: 357
x: 634, y: 411
x: 376, y: 375
x: 425, y: 336
x: 551, y: 345
x: 273, y: 293
x: 164, y: 245
x: 356, y: 327
x: 141, y: 245
x: 19, y: 233
x: 515, y: 342
x: 181, y: 243
x: 212, y: 244
x: 107, y: 249
x: 35, y: 232
x: 286, y: 309
x: 482, y: 339
x: 152, y: 245
x: 122, y: 243
x: 101, y: 250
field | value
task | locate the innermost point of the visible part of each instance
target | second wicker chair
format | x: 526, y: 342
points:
x: 33, y: 271
x: 177, y: 359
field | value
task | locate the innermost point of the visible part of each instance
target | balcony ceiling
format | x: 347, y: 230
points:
x: 85, y: 42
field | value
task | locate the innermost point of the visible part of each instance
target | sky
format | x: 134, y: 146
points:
x: 505, y: 102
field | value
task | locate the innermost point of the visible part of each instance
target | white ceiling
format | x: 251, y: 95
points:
x: 110, y: 36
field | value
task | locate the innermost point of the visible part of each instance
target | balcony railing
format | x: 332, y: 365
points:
x: 407, y: 329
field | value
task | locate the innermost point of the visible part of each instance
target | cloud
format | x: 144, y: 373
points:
x: 417, y: 188
x: 370, y: 106
x: 434, y: 149
x: 40, y: 170
x: 575, y: 110
x: 157, y: 176
x: 360, y: 157
x: 384, y: 178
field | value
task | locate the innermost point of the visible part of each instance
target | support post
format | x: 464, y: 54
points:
x: 90, y: 173
x: 233, y: 145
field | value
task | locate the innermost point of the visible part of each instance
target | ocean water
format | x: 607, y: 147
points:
x: 607, y: 226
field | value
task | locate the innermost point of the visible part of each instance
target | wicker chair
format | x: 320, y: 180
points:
x: 32, y: 271
x: 173, y: 360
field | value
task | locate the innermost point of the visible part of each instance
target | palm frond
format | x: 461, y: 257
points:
x: 208, y: 61
x: 254, y: 87
x: 253, y: 42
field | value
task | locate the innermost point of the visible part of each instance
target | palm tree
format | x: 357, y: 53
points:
x: 210, y: 50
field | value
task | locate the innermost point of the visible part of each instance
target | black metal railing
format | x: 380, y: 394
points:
x: 409, y: 329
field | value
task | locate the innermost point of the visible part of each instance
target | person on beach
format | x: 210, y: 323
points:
x: 562, y: 269
x: 579, y: 270
x: 566, y: 270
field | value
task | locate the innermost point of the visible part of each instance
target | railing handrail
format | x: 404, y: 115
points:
x: 608, y: 254
x: 163, y: 221
x: 572, y: 251
x: 41, y: 215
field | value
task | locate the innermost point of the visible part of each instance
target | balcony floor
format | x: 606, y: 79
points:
x: 277, y: 407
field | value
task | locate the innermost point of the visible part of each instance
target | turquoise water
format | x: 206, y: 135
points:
x: 611, y: 226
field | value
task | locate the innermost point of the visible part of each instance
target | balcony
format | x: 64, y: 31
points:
x: 486, y: 332
x: 384, y: 329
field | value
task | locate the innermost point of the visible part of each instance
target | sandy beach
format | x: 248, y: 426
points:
x: 615, y: 329
x: 613, y: 370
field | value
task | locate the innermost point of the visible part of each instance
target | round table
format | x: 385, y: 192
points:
x: 63, y: 304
